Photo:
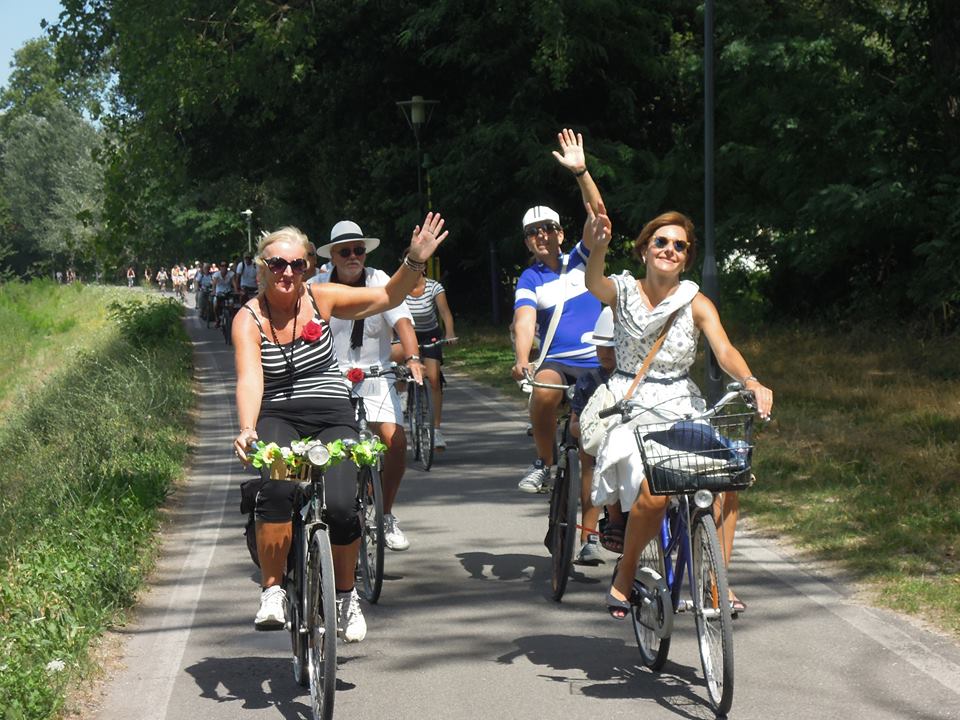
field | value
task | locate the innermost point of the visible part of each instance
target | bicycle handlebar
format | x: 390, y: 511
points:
x: 735, y: 391
x: 441, y: 341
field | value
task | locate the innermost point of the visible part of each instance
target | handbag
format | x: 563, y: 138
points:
x: 593, y: 428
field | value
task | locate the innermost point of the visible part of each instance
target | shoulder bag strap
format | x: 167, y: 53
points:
x: 641, y: 373
x: 557, y: 312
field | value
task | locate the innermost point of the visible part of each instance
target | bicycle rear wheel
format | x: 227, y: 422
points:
x: 712, y: 613
x: 650, y: 614
x: 321, y: 625
x: 295, y: 616
x: 370, y: 560
x: 413, y: 426
x: 563, y: 517
x: 424, y: 427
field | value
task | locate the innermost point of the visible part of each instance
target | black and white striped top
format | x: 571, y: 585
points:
x: 316, y: 373
x: 424, y: 308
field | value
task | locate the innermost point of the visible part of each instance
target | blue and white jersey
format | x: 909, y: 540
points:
x: 540, y: 288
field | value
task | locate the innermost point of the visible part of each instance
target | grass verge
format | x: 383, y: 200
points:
x: 89, y: 457
x: 862, y: 462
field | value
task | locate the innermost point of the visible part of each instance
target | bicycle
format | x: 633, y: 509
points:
x: 227, y: 309
x: 369, y: 573
x: 205, y: 306
x: 694, y: 457
x: 564, y: 495
x: 309, y: 584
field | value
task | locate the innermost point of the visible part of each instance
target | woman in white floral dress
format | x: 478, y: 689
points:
x: 667, y: 247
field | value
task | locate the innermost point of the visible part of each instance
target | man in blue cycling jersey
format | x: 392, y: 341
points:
x: 552, y: 276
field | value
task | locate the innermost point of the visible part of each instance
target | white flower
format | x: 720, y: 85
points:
x: 285, y: 453
x: 298, y: 447
x: 56, y: 666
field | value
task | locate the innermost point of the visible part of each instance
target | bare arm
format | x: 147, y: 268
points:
x: 351, y: 303
x: 246, y: 347
x: 599, y: 230
x: 411, y: 348
x: 706, y: 317
x: 524, y: 326
x: 574, y: 159
x: 446, y: 317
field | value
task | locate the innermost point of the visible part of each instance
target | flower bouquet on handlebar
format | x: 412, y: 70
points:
x: 293, y: 463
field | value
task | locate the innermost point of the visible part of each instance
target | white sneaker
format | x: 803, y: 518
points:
x: 589, y: 553
x: 392, y: 534
x: 537, y: 475
x: 273, y: 609
x: 439, y: 442
x: 350, y: 623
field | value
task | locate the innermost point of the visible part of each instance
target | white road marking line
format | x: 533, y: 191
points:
x: 864, y: 619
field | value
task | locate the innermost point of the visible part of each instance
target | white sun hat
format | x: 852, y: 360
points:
x: 346, y: 231
x: 602, y: 333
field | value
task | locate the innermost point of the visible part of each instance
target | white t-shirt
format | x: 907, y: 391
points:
x: 248, y: 274
x: 223, y: 283
x: 377, y: 329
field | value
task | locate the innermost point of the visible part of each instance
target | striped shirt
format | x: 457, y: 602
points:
x: 424, y: 308
x: 316, y: 373
x: 540, y: 288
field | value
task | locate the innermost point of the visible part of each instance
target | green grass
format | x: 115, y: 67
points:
x: 89, y: 456
x: 861, y: 464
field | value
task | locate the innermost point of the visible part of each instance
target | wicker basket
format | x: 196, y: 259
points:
x: 685, y: 456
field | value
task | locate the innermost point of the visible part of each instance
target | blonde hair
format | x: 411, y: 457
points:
x: 288, y: 234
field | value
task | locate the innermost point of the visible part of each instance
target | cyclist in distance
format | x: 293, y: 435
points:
x: 666, y: 246
x: 289, y: 387
x: 429, y: 307
x: 364, y: 342
x: 551, y: 279
x: 131, y: 276
x: 222, y: 285
x: 245, y: 277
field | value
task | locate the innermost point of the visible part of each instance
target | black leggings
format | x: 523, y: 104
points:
x: 275, y: 498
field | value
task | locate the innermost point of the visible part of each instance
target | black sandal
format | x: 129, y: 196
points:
x: 618, y: 609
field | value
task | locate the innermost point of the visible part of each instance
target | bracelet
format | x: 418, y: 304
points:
x: 581, y: 173
x: 411, y: 357
x: 748, y: 377
x: 415, y: 265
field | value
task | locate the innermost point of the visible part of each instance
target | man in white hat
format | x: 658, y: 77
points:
x: 366, y: 342
x: 551, y: 279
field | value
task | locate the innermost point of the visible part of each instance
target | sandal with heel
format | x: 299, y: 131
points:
x: 617, y: 608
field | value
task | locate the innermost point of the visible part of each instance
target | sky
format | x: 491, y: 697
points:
x: 19, y: 22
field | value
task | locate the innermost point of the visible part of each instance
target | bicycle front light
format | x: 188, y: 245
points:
x: 318, y: 454
x: 703, y: 499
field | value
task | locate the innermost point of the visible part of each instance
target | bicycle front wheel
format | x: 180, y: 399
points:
x: 711, y: 606
x: 648, y: 615
x: 370, y: 560
x: 563, y: 506
x: 413, y: 432
x: 424, y: 427
x: 321, y: 625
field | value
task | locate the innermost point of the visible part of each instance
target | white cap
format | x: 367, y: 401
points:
x: 539, y: 213
x: 602, y: 334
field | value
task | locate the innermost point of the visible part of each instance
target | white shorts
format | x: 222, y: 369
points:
x: 380, y: 400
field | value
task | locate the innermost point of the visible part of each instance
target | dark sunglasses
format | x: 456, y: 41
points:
x: 359, y: 251
x: 547, y: 228
x: 278, y: 265
x: 679, y: 245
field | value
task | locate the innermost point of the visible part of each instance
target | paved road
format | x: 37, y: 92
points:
x: 465, y: 627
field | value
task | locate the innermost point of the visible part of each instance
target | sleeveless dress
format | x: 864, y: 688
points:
x: 667, y: 392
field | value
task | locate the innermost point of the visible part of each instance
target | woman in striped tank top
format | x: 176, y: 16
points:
x: 428, y: 304
x: 289, y: 387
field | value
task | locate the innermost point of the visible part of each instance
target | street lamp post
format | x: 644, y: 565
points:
x: 417, y: 112
x: 711, y: 285
x: 248, y: 213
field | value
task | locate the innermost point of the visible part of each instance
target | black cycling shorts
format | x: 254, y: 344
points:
x: 569, y: 373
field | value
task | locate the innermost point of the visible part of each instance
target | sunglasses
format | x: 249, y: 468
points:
x: 547, y: 228
x: 358, y: 251
x: 278, y: 265
x: 679, y: 245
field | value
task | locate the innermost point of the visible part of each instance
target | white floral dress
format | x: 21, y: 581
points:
x: 667, y: 390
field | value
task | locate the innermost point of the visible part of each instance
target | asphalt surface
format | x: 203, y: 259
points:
x: 465, y: 627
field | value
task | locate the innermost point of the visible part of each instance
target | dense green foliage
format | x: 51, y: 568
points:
x: 89, y: 457
x: 837, y: 165
x: 51, y: 180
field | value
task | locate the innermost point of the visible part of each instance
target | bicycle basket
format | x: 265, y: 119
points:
x: 689, y: 455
